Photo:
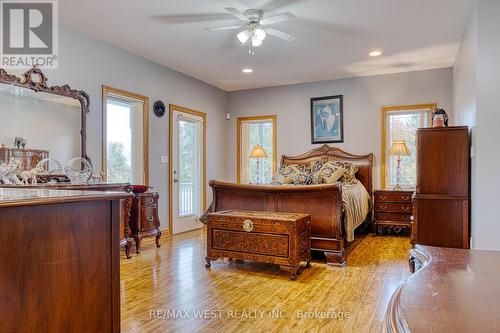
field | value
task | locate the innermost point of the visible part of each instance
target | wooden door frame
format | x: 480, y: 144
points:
x: 239, y: 122
x: 107, y: 90
x: 383, y: 154
x: 203, y: 115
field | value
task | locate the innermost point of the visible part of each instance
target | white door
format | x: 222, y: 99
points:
x: 187, y: 171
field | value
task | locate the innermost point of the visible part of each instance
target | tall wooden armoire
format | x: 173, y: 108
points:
x: 441, y: 201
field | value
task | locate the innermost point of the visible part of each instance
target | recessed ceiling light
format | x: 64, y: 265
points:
x: 247, y: 70
x: 375, y: 53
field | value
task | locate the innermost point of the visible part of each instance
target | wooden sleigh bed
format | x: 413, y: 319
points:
x: 323, y: 202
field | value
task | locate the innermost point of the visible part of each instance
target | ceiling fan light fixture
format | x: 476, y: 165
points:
x: 375, y: 53
x: 243, y: 36
x: 260, y: 34
x: 256, y: 42
x: 256, y: 27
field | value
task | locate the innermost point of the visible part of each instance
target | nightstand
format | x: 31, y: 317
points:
x: 393, y: 208
x: 144, y: 220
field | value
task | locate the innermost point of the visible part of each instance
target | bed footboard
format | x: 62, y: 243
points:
x: 322, y: 202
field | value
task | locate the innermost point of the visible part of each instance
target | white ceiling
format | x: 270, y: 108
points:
x: 333, y: 36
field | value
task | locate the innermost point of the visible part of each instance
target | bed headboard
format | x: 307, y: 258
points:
x: 326, y: 152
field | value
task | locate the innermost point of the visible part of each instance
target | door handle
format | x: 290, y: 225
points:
x: 176, y: 180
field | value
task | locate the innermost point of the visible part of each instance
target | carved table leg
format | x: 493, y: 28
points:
x: 335, y: 258
x: 137, y: 239
x: 208, y: 260
x: 127, y: 204
x: 308, y: 262
x: 128, y: 245
x: 293, y: 270
x: 158, y: 235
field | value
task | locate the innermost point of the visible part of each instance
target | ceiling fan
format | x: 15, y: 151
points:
x: 255, y: 26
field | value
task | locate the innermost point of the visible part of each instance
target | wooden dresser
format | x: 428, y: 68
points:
x: 144, y: 221
x: 278, y: 238
x: 60, y: 260
x: 452, y: 290
x: 441, y: 206
x: 125, y: 204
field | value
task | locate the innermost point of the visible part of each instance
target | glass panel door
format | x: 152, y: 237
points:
x: 187, y: 172
x: 188, y: 164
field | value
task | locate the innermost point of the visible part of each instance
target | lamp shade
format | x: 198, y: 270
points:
x: 258, y: 152
x: 399, y: 148
x: 243, y: 36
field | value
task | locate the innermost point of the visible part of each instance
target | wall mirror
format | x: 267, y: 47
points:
x: 40, y: 121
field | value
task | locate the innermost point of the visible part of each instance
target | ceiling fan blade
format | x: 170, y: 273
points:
x: 273, y: 5
x: 236, y: 13
x: 280, y: 34
x: 192, y: 18
x: 277, y: 18
x: 231, y: 27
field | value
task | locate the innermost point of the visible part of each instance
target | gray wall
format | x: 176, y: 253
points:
x: 464, y: 99
x: 487, y: 125
x: 363, y: 99
x: 86, y: 63
x: 477, y: 99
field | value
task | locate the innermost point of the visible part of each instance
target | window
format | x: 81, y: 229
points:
x: 125, y: 137
x: 252, y: 131
x: 401, y: 123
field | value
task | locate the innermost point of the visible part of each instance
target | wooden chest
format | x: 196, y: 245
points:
x: 279, y: 238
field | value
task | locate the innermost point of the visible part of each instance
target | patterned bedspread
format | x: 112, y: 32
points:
x: 356, y: 206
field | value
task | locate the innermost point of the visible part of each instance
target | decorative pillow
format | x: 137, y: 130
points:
x: 303, y: 178
x: 350, y: 175
x: 286, y: 173
x: 315, y: 166
x: 331, y: 173
x: 316, y: 178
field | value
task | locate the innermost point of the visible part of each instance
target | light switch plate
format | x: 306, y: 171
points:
x: 164, y: 159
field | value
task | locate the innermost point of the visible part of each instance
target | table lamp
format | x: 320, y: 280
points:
x: 258, y: 152
x: 399, y: 148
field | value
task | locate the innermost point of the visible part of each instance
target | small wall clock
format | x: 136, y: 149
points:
x: 159, y: 109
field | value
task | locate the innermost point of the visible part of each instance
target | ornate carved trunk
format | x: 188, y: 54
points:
x: 279, y: 238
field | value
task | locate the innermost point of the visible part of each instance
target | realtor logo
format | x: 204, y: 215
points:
x: 29, y: 34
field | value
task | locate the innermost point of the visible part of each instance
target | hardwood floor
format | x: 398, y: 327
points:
x: 165, y: 290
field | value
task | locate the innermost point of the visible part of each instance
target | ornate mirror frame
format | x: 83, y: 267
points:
x: 35, y: 80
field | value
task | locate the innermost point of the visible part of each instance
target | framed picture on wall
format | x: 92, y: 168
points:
x: 327, y: 119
